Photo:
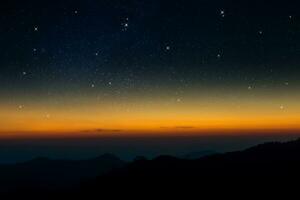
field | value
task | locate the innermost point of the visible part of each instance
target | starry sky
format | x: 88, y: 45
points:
x: 120, y: 67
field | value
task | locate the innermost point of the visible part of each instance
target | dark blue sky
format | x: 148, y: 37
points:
x: 125, y: 48
x: 137, y: 44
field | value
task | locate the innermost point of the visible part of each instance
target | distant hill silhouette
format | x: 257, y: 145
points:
x: 265, y: 166
x: 198, y: 154
x: 44, y: 173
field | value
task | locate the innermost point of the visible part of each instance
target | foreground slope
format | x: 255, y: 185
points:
x: 266, y: 166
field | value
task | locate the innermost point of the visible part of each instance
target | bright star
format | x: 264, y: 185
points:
x: 222, y: 13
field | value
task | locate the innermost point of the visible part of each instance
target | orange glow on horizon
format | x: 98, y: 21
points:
x: 193, y: 114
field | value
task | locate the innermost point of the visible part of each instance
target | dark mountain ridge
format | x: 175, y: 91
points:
x: 269, y: 165
x: 266, y: 166
x: 45, y: 173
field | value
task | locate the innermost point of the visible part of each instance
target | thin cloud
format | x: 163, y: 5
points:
x: 177, y: 127
x: 101, y: 130
x: 184, y: 127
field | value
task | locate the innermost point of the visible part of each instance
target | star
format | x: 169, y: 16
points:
x: 222, y: 13
x: 281, y: 107
x: 219, y: 55
x: 34, y: 49
x: 24, y: 73
x: 96, y: 54
x: 109, y: 83
x: 36, y: 28
x: 93, y: 85
x: 260, y: 32
x: 168, y: 48
x: 76, y: 12
x: 125, y: 25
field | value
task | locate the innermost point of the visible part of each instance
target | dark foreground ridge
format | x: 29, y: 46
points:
x: 270, y: 165
x: 43, y: 174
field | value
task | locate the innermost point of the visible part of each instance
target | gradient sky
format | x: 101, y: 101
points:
x: 115, y: 67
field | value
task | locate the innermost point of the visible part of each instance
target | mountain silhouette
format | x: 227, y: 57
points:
x: 267, y: 166
x: 198, y: 154
x: 44, y: 173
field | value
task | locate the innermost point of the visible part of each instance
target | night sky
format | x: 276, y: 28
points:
x: 149, y: 67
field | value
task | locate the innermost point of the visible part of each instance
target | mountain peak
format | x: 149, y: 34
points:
x: 106, y: 157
